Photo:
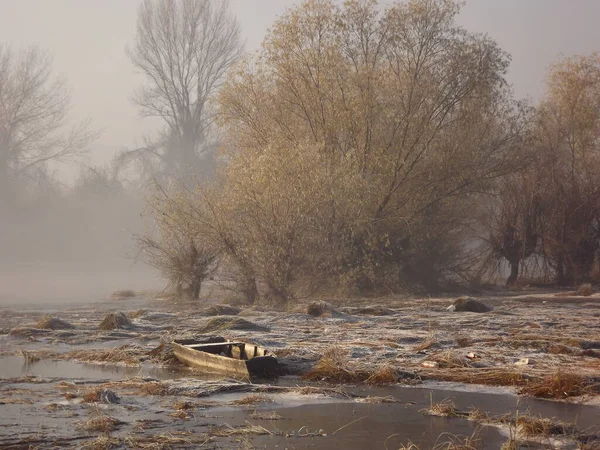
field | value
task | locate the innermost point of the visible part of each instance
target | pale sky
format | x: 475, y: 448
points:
x: 88, y: 38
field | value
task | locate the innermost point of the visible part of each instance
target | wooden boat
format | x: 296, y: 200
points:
x: 239, y: 360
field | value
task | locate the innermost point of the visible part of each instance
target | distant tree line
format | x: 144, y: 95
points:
x: 362, y: 150
x: 371, y: 150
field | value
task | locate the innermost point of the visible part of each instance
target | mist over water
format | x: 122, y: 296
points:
x: 60, y: 284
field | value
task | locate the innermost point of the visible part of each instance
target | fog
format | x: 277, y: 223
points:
x: 67, y: 227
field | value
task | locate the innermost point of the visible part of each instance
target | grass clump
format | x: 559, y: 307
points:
x: 123, y: 294
x: 319, y: 308
x: 537, y: 426
x: 251, y: 400
x: 227, y: 430
x: 53, y: 323
x: 585, y: 290
x: 445, y: 408
x: 127, y: 354
x: 164, y: 354
x: 100, y: 424
x: 383, y: 375
x: 265, y: 415
x: 333, y: 366
x: 115, y: 321
x: 103, y: 442
x: 221, y: 323
x: 489, y: 377
x: 559, y: 385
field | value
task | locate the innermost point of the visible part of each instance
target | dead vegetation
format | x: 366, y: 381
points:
x: 130, y: 355
x: 115, y: 321
x: 252, y: 400
x: 100, y: 394
x: 123, y: 294
x: 221, y: 310
x: 444, y: 408
x: 166, y: 441
x: 537, y: 426
x: 53, y: 323
x: 485, y: 376
x: 222, y: 323
x: 585, y: 290
x: 164, y: 354
x: 103, y: 442
x: 560, y: 385
x: 100, y: 424
x: 447, y: 441
x: 227, y: 430
x: 383, y: 375
x: 265, y: 415
x: 319, y: 308
x: 450, y: 360
x: 333, y: 367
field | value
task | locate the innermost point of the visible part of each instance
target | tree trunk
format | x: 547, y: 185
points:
x: 195, y: 289
x: 249, y: 291
x: 514, y: 273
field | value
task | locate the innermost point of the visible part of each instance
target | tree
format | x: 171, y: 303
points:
x: 404, y: 118
x: 569, y: 165
x: 33, y: 115
x: 183, y: 48
x: 182, y: 251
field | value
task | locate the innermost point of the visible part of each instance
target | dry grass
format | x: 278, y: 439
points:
x: 137, y: 314
x: 319, y: 308
x: 104, y: 442
x: 445, y: 408
x: 153, y: 388
x: 164, y: 354
x: 221, y: 323
x: 537, y: 426
x: 127, y: 354
x: 30, y: 357
x: 561, y: 384
x: 226, y: 430
x: 53, y: 323
x: 101, y: 423
x: 285, y: 352
x: 185, y: 405
x: 383, y: 375
x: 333, y: 367
x: 92, y: 395
x: 450, y: 360
x: 265, y: 415
x: 585, y: 290
x: 377, y: 400
x: 426, y: 344
x: 559, y: 349
x: 490, y: 377
x: 463, y: 341
x: 447, y: 441
x: 123, y: 294
x: 115, y: 321
x: 252, y: 400
x: 167, y: 441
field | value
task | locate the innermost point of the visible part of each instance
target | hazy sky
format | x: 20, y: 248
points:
x: 88, y: 37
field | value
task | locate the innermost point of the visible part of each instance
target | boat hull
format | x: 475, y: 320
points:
x: 241, y: 361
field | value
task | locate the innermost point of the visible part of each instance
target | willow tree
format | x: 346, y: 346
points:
x: 404, y: 116
x: 569, y: 164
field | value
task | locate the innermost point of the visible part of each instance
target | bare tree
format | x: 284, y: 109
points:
x: 33, y: 114
x: 183, y: 48
x: 181, y: 247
